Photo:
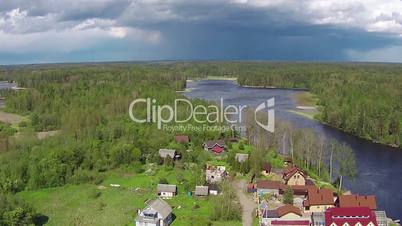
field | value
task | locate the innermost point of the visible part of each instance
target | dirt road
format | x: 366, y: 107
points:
x: 247, y: 203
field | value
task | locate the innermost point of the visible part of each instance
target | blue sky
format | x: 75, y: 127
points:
x: 46, y: 31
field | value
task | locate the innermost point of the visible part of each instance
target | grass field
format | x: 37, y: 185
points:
x: 90, y: 204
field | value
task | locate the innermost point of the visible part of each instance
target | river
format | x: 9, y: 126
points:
x: 379, y: 166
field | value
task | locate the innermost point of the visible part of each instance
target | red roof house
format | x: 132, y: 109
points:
x: 318, y: 200
x: 184, y: 139
x: 357, y: 201
x: 352, y: 216
x: 216, y: 146
x: 294, y: 176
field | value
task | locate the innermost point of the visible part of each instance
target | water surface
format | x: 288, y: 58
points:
x: 379, y: 166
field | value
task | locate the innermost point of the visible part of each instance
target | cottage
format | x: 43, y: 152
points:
x: 294, y: 176
x: 201, y: 191
x: 166, y: 191
x: 318, y: 200
x: 240, y: 157
x: 215, y: 174
x: 284, y: 215
x: 352, y: 216
x: 216, y: 146
x: 266, y: 169
x: 164, y: 153
x: 357, y: 201
x: 269, y: 187
x: 182, y: 139
x: 157, y: 213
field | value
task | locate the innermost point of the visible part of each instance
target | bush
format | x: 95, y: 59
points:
x: 163, y: 180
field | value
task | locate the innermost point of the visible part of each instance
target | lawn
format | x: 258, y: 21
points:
x: 90, y: 204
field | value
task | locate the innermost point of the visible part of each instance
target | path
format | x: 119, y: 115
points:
x: 247, y: 203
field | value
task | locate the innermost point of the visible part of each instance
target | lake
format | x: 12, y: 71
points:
x: 379, y: 166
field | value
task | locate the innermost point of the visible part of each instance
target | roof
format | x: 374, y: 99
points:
x: 350, y: 215
x: 201, y: 190
x: 213, y: 187
x: 289, y: 172
x: 357, y: 201
x: 240, y: 157
x: 266, y: 213
x: 212, y: 143
x: 317, y: 196
x: 166, y: 188
x: 161, y: 207
x: 269, y: 184
x: 266, y: 167
x: 283, y: 210
x: 301, y: 189
x: 290, y: 222
x: 182, y: 139
x: 167, y: 152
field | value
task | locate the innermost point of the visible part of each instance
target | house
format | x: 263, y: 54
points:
x: 201, y: 191
x: 284, y: 216
x: 294, y: 176
x: 269, y: 187
x: 166, y: 191
x: 156, y: 213
x: 183, y: 139
x: 164, y: 153
x: 240, y: 157
x: 216, y: 146
x: 381, y: 218
x: 215, y: 174
x: 357, y: 201
x: 213, y: 189
x: 301, y: 190
x: 266, y: 169
x: 318, y: 219
x: 350, y: 216
x: 318, y: 200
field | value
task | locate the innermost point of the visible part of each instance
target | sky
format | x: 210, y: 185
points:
x: 50, y: 31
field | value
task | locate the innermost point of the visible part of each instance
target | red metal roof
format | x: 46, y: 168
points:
x: 357, y: 201
x: 350, y: 215
x: 290, y: 222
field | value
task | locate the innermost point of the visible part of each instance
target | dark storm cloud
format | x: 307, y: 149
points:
x: 208, y: 29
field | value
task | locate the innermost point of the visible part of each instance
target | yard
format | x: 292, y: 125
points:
x: 90, y: 204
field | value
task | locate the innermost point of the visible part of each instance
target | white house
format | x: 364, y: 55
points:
x: 157, y: 213
x: 166, y: 191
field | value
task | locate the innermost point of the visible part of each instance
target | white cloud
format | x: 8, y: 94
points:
x: 387, y: 54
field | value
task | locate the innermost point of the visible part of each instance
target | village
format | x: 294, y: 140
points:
x: 278, y: 196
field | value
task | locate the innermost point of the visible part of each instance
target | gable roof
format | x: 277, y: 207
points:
x: 167, y: 152
x: 240, y: 157
x: 211, y: 143
x: 289, y: 172
x: 182, y: 139
x: 350, y: 215
x: 161, y: 207
x: 286, y: 209
x: 166, y: 188
x: 357, y: 201
x: 269, y: 184
x: 201, y: 190
x: 316, y: 196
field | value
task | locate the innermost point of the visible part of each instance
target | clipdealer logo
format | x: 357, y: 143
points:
x: 232, y: 114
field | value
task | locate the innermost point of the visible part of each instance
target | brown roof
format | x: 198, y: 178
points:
x: 357, y: 201
x: 289, y: 172
x: 269, y: 184
x: 182, y: 139
x: 301, y: 189
x: 283, y: 210
x: 317, y: 196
